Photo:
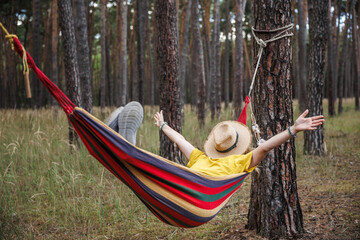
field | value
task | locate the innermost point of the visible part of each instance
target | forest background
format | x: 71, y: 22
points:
x: 123, y: 65
x: 36, y: 25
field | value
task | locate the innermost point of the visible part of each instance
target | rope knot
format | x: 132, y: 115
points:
x: 261, y: 42
x: 255, y: 128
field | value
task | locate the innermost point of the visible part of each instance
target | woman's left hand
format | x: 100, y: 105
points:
x: 303, y: 123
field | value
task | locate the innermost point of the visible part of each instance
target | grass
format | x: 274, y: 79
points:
x: 51, y: 190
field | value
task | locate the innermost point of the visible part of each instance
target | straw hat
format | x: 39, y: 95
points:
x: 227, y: 138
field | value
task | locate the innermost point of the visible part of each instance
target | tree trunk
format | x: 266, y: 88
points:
x: 356, y: 55
x: 274, y: 205
x: 108, y: 82
x: 70, y: 59
x: 133, y: 59
x: 141, y: 21
x: 206, y: 35
x: 198, y: 63
x: 302, y: 16
x: 151, y: 65
x: 239, y: 70
x: 103, y: 56
x: 343, y: 59
x: 8, y: 75
x: 46, y: 58
x: 36, y: 47
x: 14, y: 60
x: 90, y: 25
x: 184, y: 51
x: 248, y: 72
x: 217, y: 58
x: 348, y: 70
x: 227, y: 49
x: 168, y: 72
x: 318, y: 35
x: 156, y: 82
x: 116, y: 55
x: 122, y: 26
x: 332, y: 59
x: 214, y: 59
x: 54, y: 48
x: 83, y: 56
x: 2, y: 77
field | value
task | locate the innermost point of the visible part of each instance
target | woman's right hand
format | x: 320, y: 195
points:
x: 159, y: 118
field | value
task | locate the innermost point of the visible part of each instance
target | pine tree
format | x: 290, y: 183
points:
x: 318, y: 35
x: 168, y: 72
x: 274, y: 205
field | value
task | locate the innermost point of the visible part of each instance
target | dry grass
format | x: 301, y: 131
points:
x: 48, y: 192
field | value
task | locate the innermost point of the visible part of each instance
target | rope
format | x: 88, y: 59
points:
x: 67, y: 105
x: 24, y: 59
x: 263, y: 44
x: 8, y: 36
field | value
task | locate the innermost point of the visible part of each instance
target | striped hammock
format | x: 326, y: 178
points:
x: 177, y: 195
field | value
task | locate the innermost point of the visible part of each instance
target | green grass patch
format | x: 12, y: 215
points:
x: 50, y: 189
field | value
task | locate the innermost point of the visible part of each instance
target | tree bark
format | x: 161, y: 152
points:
x: 302, y: 16
x: 90, y: 24
x: 227, y: 49
x: 215, y: 62
x: 274, y: 209
x: 248, y: 72
x: 70, y: 59
x: 332, y: 59
x: 151, y: 65
x: 103, y: 56
x: 133, y: 58
x: 343, y: 59
x: 218, y: 94
x: 3, y: 98
x: 122, y: 67
x: 184, y: 51
x: 36, y: 47
x: 198, y: 63
x: 156, y: 82
x: 108, y: 82
x: 348, y: 67
x: 356, y: 55
x: 83, y: 56
x: 318, y: 35
x: 46, y: 57
x: 54, y: 48
x: 116, y: 55
x: 141, y: 22
x: 168, y: 72
x: 206, y: 35
x: 239, y: 69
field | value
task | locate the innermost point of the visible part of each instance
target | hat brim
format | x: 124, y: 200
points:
x: 242, y: 146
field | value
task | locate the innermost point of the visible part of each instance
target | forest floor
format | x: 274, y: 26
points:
x: 48, y: 191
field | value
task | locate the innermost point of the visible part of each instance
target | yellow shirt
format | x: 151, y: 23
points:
x: 233, y: 164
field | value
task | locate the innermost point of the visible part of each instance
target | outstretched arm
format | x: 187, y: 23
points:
x: 185, y: 147
x: 301, y: 124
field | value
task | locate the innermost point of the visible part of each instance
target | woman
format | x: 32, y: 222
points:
x: 227, y: 143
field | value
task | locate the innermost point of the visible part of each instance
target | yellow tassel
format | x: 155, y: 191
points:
x: 27, y: 85
x: 26, y: 74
